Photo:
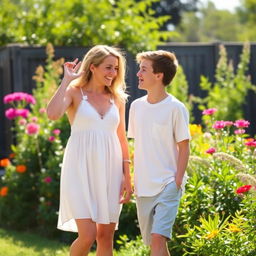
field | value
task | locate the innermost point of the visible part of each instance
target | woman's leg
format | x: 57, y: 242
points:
x: 105, y: 235
x: 86, y: 237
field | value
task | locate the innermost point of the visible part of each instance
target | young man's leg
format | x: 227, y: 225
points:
x: 159, y: 245
x: 165, y: 212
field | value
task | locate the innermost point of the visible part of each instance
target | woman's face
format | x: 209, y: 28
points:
x: 106, y: 72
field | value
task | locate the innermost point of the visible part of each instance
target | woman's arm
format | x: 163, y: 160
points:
x: 62, y: 99
x: 126, y: 190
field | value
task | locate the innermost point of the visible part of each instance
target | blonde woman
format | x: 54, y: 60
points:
x: 95, y: 178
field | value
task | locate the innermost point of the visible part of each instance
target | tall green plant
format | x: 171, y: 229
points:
x: 179, y: 88
x: 228, y: 93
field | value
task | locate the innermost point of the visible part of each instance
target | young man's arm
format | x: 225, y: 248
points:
x: 183, y: 156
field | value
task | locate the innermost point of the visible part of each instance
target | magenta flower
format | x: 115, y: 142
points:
x: 239, y: 131
x: 48, y: 179
x: 241, y: 123
x: 22, y: 112
x: 32, y: 128
x: 209, y: 111
x: 250, y: 143
x: 10, y: 113
x: 19, y: 96
x: 219, y: 125
x: 51, y: 138
x: 56, y: 131
x: 210, y: 151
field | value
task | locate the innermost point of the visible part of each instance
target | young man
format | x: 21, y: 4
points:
x: 159, y: 124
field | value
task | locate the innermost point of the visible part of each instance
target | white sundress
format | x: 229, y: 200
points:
x: 91, y: 172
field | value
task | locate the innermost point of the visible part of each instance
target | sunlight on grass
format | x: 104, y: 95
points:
x: 13, y: 243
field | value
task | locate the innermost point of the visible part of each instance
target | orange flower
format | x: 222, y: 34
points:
x: 4, y: 191
x: 12, y: 155
x: 21, y: 168
x: 4, y: 162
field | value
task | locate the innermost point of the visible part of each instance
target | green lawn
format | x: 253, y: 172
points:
x: 13, y: 243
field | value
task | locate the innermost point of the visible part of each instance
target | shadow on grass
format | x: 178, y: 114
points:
x: 33, y: 241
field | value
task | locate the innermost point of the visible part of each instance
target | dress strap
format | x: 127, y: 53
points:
x: 83, y: 95
x: 111, y: 100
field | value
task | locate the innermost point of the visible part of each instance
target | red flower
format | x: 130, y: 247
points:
x: 4, y: 162
x: 4, y: 191
x: 210, y: 151
x: 243, y: 189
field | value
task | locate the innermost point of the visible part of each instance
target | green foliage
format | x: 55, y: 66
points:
x: 179, y: 89
x: 125, y: 23
x: 32, y: 199
x: 132, y: 248
x: 212, y: 213
x: 229, y: 91
x: 209, y: 24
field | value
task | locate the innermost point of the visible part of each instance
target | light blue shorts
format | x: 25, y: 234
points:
x: 157, y: 214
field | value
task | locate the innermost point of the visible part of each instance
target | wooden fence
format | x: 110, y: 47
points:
x: 18, y: 64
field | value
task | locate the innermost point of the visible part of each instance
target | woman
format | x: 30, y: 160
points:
x: 95, y: 177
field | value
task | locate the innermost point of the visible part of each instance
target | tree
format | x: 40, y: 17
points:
x: 209, y: 24
x: 247, y: 15
x: 174, y: 9
x: 125, y: 23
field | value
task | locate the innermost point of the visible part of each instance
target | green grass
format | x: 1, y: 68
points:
x: 14, y: 243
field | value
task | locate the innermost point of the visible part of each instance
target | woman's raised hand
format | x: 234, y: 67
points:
x: 71, y: 68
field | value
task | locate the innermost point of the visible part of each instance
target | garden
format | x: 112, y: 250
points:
x: 217, y: 212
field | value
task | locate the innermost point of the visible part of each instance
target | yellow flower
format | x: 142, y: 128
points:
x: 234, y: 228
x: 195, y: 129
x: 212, y: 234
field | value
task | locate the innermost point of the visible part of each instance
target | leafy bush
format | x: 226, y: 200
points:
x: 89, y: 22
x: 230, y: 89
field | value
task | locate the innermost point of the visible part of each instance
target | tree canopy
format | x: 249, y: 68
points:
x: 125, y: 23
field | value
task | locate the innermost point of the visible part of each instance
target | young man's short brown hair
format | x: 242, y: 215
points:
x: 162, y: 62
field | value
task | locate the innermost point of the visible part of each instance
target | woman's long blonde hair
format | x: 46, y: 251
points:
x: 96, y: 56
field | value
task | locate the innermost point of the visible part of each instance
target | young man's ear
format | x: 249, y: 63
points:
x: 160, y: 76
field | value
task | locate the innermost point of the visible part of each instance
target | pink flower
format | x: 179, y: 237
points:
x: 209, y: 111
x: 34, y: 119
x: 22, y: 121
x: 48, y: 179
x: 51, y: 138
x: 210, y: 151
x: 250, y: 143
x: 10, y: 113
x: 32, y: 128
x: 219, y: 125
x: 42, y: 110
x: 239, y: 131
x: 228, y: 123
x: 243, y: 189
x: 22, y: 112
x: 19, y: 96
x: 56, y: 131
x: 241, y: 123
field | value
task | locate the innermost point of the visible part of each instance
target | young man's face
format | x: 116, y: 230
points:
x: 147, y: 78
